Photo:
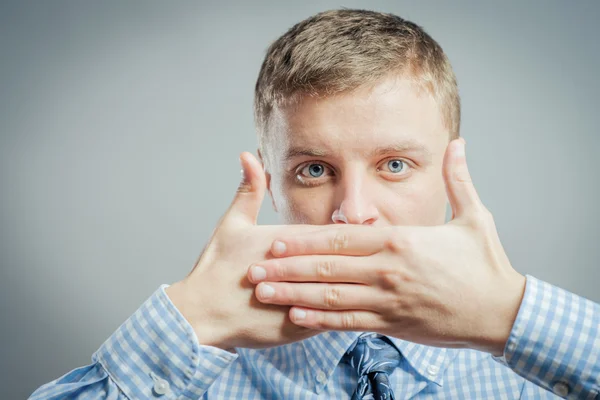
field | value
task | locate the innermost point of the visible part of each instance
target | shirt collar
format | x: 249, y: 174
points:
x: 429, y: 362
x: 324, y: 352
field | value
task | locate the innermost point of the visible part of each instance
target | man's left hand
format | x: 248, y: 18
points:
x: 447, y: 286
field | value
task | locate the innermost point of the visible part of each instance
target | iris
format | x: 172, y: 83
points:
x: 395, y: 165
x: 316, y: 170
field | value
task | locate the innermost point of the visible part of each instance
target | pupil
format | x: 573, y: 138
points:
x: 316, y: 170
x: 395, y: 165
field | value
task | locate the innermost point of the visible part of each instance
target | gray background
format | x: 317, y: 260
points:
x: 121, y: 125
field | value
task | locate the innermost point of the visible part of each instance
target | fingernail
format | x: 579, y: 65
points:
x: 266, y: 291
x: 299, y: 315
x: 244, y: 172
x: 279, y: 247
x: 258, y: 273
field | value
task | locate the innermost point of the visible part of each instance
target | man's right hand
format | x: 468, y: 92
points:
x: 216, y: 297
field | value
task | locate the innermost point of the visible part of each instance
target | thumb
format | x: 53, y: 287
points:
x: 462, y: 195
x: 251, y: 191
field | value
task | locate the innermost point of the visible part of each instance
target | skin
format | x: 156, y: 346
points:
x: 449, y: 286
x: 363, y: 245
x: 353, y: 181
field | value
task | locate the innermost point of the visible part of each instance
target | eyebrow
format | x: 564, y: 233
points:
x: 400, y: 147
x: 294, y: 152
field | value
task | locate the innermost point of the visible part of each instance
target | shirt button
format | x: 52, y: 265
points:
x: 561, y: 389
x: 433, y: 370
x: 160, y: 385
x: 321, y: 377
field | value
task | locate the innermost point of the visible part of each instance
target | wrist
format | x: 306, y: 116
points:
x: 501, y: 316
x: 197, y: 314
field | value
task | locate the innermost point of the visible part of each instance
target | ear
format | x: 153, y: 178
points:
x: 268, y: 176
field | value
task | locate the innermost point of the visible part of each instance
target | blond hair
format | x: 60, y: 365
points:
x: 340, y: 50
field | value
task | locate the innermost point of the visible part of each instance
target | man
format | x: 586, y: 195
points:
x: 358, y: 119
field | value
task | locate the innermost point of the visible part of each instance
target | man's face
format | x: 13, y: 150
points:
x: 371, y: 156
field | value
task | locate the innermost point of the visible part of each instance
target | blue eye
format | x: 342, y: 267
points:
x: 396, y: 165
x: 315, y: 170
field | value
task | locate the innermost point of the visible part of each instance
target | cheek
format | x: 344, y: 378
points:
x: 422, y: 203
x: 305, y: 205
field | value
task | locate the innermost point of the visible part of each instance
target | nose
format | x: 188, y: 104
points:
x: 355, y: 206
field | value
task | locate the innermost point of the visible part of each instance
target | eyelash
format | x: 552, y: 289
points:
x: 310, y: 181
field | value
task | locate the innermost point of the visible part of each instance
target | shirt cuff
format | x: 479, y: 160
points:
x: 156, y: 353
x: 555, y: 341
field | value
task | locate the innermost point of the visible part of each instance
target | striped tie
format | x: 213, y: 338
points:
x: 373, y: 359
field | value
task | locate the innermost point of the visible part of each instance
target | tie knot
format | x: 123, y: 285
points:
x: 372, y: 354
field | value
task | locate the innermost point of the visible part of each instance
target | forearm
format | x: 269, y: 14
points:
x: 154, y: 352
x: 555, y: 341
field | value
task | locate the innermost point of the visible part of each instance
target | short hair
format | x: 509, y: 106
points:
x: 338, y: 51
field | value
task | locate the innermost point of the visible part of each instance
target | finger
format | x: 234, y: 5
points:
x: 353, y: 320
x: 461, y: 192
x: 350, y: 240
x: 315, y: 268
x: 324, y: 296
x: 250, y: 193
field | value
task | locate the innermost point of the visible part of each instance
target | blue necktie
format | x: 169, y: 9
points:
x: 373, y: 359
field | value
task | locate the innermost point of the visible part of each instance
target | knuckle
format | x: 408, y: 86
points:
x: 332, y: 297
x: 280, y: 270
x: 339, y: 242
x: 325, y: 269
x: 388, y: 277
x: 463, y: 176
x: 400, y: 306
x: 285, y: 293
x: 244, y: 187
x: 399, y: 244
x: 482, y: 217
x: 320, y: 320
x: 488, y: 215
x: 349, y: 321
x: 392, y: 244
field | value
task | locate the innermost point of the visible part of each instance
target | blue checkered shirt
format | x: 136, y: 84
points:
x: 553, y: 351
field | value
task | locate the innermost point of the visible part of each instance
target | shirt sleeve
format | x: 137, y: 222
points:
x: 154, y: 354
x: 555, y: 342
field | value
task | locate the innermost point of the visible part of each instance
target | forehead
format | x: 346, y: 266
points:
x: 393, y: 112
